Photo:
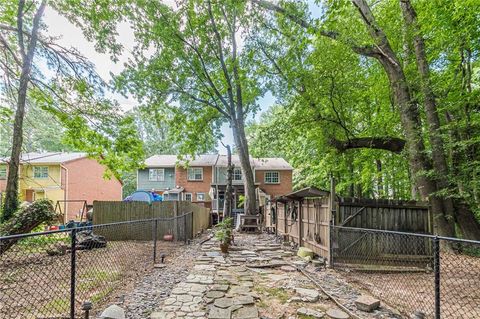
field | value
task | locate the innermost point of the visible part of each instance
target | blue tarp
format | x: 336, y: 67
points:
x: 143, y: 196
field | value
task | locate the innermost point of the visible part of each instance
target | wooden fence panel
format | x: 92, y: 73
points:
x: 106, y: 212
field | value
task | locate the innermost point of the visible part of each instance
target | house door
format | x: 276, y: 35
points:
x: 29, y: 194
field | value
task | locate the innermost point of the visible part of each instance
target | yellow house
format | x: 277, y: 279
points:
x: 68, y: 179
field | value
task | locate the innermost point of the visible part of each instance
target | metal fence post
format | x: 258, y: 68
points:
x: 436, y: 269
x: 332, y: 229
x: 185, y: 227
x: 155, y: 232
x: 73, y: 256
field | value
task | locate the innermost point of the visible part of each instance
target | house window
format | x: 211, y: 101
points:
x: 188, y: 197
x: 195, y: 173
x: 237, y: 174
x: 200, y: 197
x: 156, y: 174
x: 272, y: 177
x: 3, y: 172
x: 40, y: 172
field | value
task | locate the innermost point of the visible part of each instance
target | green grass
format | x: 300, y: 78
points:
x: 58, y: 304
x: 99, y: 296
x: 277, y: 293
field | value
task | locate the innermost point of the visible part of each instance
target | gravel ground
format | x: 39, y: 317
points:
x: 144, y: 295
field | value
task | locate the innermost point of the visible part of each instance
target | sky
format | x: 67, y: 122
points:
x: 70, y: 35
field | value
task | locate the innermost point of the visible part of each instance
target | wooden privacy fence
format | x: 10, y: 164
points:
x: 351, y: 244
x: 183, y: 220
x: 307, y: 221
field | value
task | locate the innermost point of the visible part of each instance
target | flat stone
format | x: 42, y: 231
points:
x: 170, y: 301
x: 300, y: 263
x: 213, y: 254
x: 204, y: 267
x: 214, y: 294
x: 238, y: 259
x: 158, y: 315
x: 287, y: 254
x: 223, y: 302
x: 219, y: 313
x: 367, y: 303
x: 185, y: 298
x: 113, y: 312
x: 310, y: 295
x: 198, y: 288
x: 248, y: 253
x: 179, y: 291
x: 243, y: 300
x: 334, y: 313
x: 219, y: 287
x: 275, y: 277
x: 310, y: 312
x: 288, y: 268
x: 241, y: 290
x: 246, y: 313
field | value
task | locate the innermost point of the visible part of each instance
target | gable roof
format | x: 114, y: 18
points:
x: 276, y: 163
x: 47, y: 158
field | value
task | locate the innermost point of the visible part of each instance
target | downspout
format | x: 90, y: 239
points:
x: 65, y: 197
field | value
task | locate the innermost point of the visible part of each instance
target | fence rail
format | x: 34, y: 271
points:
x: 441, y: 284
x: 50, y: 274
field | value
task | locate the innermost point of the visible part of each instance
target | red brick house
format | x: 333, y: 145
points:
x: 203, y: 179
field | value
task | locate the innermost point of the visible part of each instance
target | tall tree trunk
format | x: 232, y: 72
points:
x: 227, y: 207
x: 11, y: 197
x: 438, y: 149
x: 247, y: 171
x: 433, y: 121
x: 380, y: 188
x: 409, y: 115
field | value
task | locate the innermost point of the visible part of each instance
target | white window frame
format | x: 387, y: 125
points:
x: 235, y: 174
x: 188, y: 194
x: 3, y: 172
x: 268, y: 179
x: 156, y: 174
x: 40, y: 172
x: 192, y: 173
x: 200, y: 199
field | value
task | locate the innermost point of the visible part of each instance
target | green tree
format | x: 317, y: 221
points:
x: 37, y: 71
x: 391, y: 38
x: 194, y: 61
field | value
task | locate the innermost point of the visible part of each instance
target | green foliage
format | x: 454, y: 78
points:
x: 223, y: 230
x: 26, y: 219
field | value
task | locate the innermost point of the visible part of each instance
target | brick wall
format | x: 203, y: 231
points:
x: 85, y: 181
x: 284, y: 187
x: 194, y: 187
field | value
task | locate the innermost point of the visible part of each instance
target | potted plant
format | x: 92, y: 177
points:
x: 224, y: 233
x: 223, y: 236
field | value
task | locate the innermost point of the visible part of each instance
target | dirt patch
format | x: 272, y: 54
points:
x: 410, y: 292
x: 36, y: 285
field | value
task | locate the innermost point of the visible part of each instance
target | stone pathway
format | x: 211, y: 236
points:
x: 243, y: 285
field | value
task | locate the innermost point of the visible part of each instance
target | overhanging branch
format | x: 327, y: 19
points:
x: 387, y: 143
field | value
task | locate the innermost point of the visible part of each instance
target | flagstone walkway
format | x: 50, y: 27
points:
x: 240, y: 285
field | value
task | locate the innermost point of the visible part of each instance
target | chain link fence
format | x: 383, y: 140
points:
x: 51, y: 274
x: 422, y: 275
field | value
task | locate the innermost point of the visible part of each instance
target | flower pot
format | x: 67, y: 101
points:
x: 224, y: 248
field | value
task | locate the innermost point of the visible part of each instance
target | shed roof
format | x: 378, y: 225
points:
x: 307, y: 192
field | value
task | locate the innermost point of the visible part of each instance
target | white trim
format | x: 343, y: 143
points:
x: 271, y: 183
x: 185, y: 197
x: 158, y: 170
x: 194, y: 179
x: 204, y: 197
